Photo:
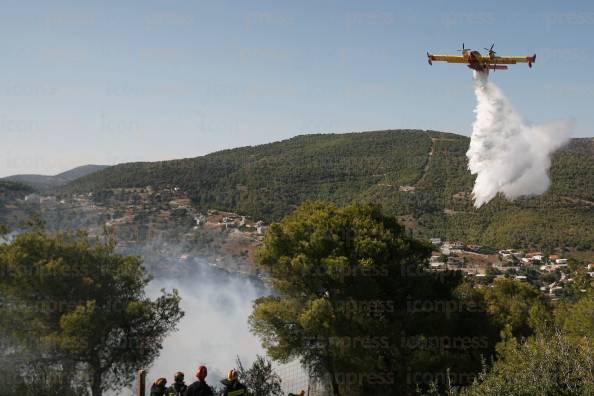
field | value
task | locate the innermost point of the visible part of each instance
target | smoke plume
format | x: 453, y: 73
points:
x: 214, y: 330
x: 507, y: 155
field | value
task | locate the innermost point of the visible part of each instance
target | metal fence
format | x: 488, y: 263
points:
x: 296, y: 378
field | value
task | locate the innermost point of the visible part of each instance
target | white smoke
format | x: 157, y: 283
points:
x: 506, y: 154
x: 214, y: 330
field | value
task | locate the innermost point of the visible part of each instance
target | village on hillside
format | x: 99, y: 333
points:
x: 167, y: 220
x: 552, y: 273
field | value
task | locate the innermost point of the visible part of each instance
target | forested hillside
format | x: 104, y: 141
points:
x: 421, y: 176
x: 9, y: 193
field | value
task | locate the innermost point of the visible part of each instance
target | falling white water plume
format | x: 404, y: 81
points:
x: 505, y: 154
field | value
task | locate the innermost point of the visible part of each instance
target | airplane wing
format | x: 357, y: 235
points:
x: 510, y: 60
x: 446, y: 58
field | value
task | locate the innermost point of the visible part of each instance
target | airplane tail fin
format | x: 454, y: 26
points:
x: 429, y: 58
x: 531, y: 60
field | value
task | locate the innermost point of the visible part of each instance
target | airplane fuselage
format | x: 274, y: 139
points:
x: 474, y: 59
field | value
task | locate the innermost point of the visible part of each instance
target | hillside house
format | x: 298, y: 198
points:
x: 510, y: 254
x: 437, y: 266
x: 47, y: 199
x: 535, y: 257
x: 33, y: 198
x: 228, y: 223
x: 458, y: 245
x: 547, y: 268
x: 455, y: 262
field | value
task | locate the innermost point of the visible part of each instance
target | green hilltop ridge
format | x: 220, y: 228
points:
x: 420, y: 176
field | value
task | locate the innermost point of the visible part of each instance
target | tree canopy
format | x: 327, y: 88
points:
x: 353, y: 302
x: 77, y: 305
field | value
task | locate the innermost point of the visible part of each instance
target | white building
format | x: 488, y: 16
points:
x: 436, y: 241
x: 33, y: 198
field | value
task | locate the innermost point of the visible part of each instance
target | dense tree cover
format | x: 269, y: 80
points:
x: 353, y: 300
x: 577, y: 319
x: 542, y: 365
x: 7, y: 186
x: 517, y: 305
x: 354, y: 303
x: 72, y: 306
x: 556, y: 359
x: 546, y: 349
x: 11, y: 192
x: 270, y: 180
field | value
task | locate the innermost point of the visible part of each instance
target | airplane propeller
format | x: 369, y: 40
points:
x: 463, y: 49
x: 491, y: 51
x: 492, y: 55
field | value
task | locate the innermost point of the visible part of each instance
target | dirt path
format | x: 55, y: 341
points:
x: 428, y: 163
x: 430, y: 157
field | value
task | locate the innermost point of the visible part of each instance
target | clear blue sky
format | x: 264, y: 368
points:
x: 109, y: 82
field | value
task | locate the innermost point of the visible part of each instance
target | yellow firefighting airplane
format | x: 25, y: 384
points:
x: 482, y: 63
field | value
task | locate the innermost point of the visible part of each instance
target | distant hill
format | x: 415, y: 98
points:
x: 420, y: 176
x: 80, y: 171
x: 44, y: 182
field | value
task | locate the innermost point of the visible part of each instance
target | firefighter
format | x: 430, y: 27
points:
x: 232, y: 385
x: 158, y: 388
x: 179, y: 387
x: 200, y: 387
